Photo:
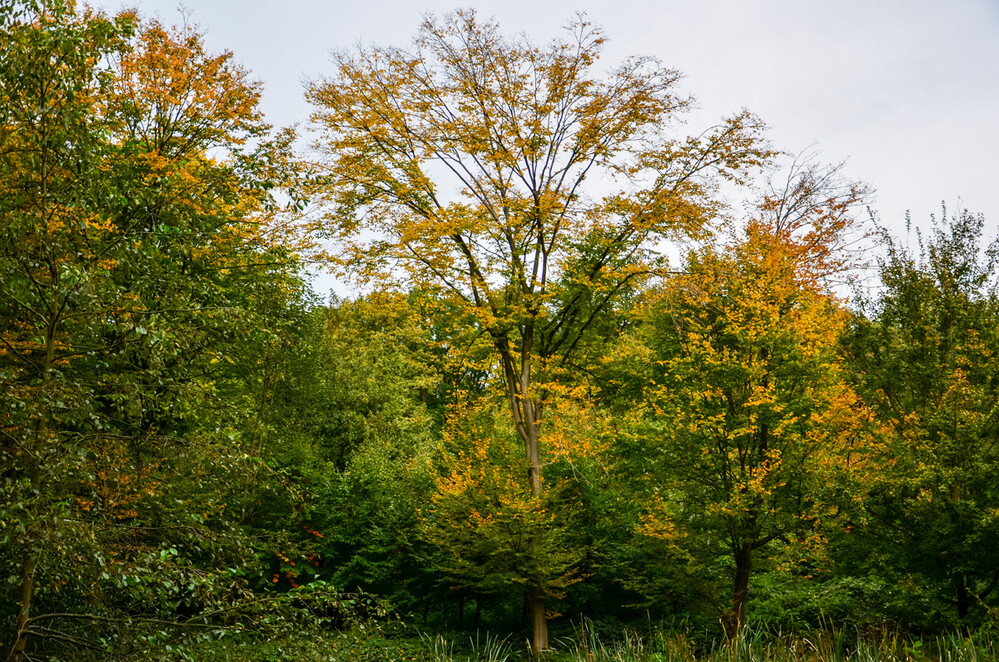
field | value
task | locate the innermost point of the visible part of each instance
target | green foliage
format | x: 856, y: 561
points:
x: 130, y: 228
x: 372, y: 437
x: 196, y: 458
x: 746, y: 414
x: 928, y: 361
x: 493, y: 534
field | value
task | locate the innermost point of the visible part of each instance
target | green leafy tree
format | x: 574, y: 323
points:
x: 492, y: 536
x: 375, y: 446
x: 127, y: 187
x: 927, y: 355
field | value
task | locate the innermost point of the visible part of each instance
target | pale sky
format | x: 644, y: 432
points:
x: 907, y: 91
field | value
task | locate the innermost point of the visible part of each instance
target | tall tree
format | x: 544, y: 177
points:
x: 928, y: 358
x: 465, y: 164
x: 125, y: 201
x: 751, y: 411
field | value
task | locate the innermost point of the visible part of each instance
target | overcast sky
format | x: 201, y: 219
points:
x: 907, y: 91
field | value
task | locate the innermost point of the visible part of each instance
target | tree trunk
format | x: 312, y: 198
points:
x: 527, y: 416
x: 526, y: 409
x: 740, y: 593
x: 41, y: 431
x: 539, y: 624
x: 21, y: 624
x: 20, y: 643
x: 536, y: 596
x: 963, y: 598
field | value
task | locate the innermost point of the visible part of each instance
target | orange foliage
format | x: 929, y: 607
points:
x: 758, y: 421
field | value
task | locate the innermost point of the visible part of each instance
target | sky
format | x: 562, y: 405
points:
x: 905, y: 91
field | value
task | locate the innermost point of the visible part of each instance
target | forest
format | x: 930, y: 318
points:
x: 605, y: 386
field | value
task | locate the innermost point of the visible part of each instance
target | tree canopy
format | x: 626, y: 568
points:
x: 525, y: 407
x: 470, y: 164
x: 133, y: 229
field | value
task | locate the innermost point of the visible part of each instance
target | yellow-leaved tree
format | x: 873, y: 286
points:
x: 751, y: 418
x: 518, y: 182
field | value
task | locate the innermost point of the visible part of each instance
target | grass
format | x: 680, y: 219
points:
x: 584, y: 645
x: 762, y: 645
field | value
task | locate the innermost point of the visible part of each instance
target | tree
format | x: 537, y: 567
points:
x: 375, y: 443
x: 131, y: 213
x: 465, y: 163
x: 751, y: 412
x: 927, y: 354
x: 491, y: 533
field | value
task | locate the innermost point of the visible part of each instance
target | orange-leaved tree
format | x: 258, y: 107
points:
x: 750, y: 412
x: 518, y: 182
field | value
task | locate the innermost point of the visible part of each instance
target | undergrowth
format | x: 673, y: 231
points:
x: 762, y: 644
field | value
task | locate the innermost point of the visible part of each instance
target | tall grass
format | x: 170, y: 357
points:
x: 655, y: 644
x: 766, y: 645
x: 483, y: 648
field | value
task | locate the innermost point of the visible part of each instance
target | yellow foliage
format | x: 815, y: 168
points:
x: 758, y: 420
